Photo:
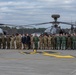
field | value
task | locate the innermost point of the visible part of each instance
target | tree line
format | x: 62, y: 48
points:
x: 14, y: 30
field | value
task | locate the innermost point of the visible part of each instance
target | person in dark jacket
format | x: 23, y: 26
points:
x: 23, y: 40
x: 28, y: 41
x: 69, y: 42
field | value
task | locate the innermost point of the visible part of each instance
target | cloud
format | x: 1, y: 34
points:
x: 10, y: 3
x: 36, y: 11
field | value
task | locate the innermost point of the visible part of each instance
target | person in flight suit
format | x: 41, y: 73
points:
x: 57, y: 41
x: 41, y: 42
x: 53, y: 41
x: 63, y: 43
x: 73, y: 37
x: 35, y: 40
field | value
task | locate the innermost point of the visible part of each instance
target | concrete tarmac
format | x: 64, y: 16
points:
x: 17, y: 62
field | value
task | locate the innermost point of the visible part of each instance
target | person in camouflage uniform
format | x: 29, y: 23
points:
x: 12, y: 41
x: 45, y: 39
x: 18, y: 41
x: 4, y: 41
x: 8, y: 39
x: 49, y: 41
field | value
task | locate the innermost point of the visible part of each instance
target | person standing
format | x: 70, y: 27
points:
x: 41, y: 42
x: 45, y: 39
x: 0, y: 42
x: 63, y: 43
x: 69, y: 42
x: 32, y: 46
x: 17, y: 38
x: 28, y: 41
x: 4, y: 41
x: 73, y: 37
x: 35, y: 40
x: 13, y: 41
x: 49, y: 41
x: 20, y: 43
x: 23, y: 40
x: 53, y: 41
x: 8, y: 39
x: 57, y: 41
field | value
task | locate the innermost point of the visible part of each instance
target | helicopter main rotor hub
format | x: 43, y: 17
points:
x: 55, y: 16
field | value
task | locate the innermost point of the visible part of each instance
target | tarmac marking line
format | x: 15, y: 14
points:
x: 21, y: 52
x: 58, y: 55
x: 66, y: 56
x: 47, y: 54
x: 30, y: 52
x: 37, y: 52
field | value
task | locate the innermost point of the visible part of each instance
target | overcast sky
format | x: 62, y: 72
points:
x: 22, y: 12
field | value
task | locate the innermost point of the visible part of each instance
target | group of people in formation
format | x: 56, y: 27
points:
x: 26, y: 41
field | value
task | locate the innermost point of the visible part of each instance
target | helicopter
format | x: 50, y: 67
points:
x: 2, y: 32
x: 54, y: 29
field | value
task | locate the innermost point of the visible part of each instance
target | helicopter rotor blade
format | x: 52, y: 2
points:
x: 25, y: 25
x: 68, y: 23
x: 37, y: 24
x: 58, y: 22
